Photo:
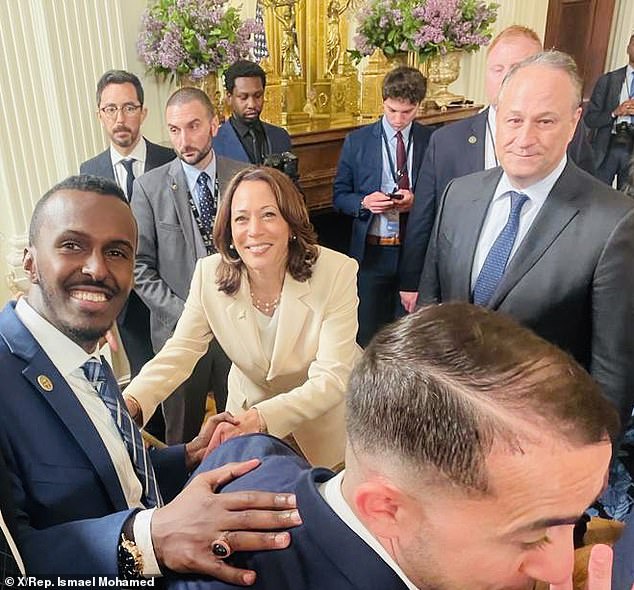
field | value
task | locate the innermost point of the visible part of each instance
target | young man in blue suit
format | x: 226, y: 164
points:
x: 89, y: 498
x: 244, y: 137
x: 121, y: 112
x: 468, y: 146
x: 377, y: 182
x: 611, y: 105
x: 473, y: 447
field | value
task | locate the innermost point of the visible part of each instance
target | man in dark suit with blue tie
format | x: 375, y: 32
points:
x: 473, y: 446
x: 121, y: 111
x: 377, y: 182
x: 610, y: 116
x: 540, y: 239
x: 468, y: 146
x: 90, y: 499
x: 244, y: 137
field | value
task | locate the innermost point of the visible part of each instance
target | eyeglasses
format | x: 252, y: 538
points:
x: 129, y: 110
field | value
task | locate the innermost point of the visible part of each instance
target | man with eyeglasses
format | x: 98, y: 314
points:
x: 121, y: 112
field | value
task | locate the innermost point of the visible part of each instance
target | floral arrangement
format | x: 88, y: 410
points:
x: 426, y: 27
x: 193, y: 38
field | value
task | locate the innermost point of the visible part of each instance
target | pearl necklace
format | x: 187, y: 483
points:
x: 266, y: 307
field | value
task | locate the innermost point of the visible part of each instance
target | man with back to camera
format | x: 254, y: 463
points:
x: 540, y: 239
x: 244, y: 137
x: 610, y: 116
x: 473, y: 446
x: 121, y: 111
x: 175, y: 207
x: 89, y: 498
x: 468, y: 146
x: 376, y: 183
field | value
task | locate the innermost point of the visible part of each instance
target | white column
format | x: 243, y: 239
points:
x: 622, y: 30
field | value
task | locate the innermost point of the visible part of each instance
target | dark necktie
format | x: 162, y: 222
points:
x: 100, y: 377
x: 128, y: 165
x: 206, y: 201
x: 632, y: 95
x: 257, y: 153
x: 8, y: 563
x: 498, y: 256
x: 401, y: 162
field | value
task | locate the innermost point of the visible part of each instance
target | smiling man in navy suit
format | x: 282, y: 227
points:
x: 89, y: 498
x: 121, y: 112
x: 377, y: 182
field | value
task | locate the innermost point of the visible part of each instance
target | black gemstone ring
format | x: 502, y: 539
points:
x: 221, y: 548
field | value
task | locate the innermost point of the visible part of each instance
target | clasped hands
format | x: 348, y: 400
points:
x: 625, y: 108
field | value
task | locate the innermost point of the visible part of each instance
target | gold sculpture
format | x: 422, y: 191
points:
x: 333, y: 35
x: 284, y: 12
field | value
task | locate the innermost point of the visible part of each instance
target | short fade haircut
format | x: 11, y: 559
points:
x: 189, y: 94
x: 404, y: 83
x: 434, y: 391
x: 556, y: 60
x: 514, y: 32
x: 119, y: 77
x: 85, y: 183
x: 243, y: 68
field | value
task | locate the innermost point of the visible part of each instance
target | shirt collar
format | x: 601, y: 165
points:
x: 390, y: 132
x: 65, y: 354
x: 192, y: 173
x: 331, y: 493
x: 491, y: 114
x: 538, y: 192
x: 243, y: 128
x: 139, y: 153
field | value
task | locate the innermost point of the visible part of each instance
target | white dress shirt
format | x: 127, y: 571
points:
x: 625, y: 95
x: 490, y: 157
x: 331, y: 492
x: 498, y: 214
x: 139, y: 153
x: 68, y: 358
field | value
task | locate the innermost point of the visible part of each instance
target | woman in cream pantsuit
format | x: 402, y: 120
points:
x: 283, y: 309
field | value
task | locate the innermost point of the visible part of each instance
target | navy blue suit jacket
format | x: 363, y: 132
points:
x: 623, y: 570
x: 70, y: 505
x: 324, y: 553
x: 227, y: 143
x: 359, y: 173
x: 456, y: 150
x: 606, y: 96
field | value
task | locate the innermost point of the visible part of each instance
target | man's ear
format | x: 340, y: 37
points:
x: 382, y: 507
x: 29, y: 265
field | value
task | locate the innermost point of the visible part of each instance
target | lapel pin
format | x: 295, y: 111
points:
x: 174, y: 187
x: 472, y: 139
x: 45, y: 383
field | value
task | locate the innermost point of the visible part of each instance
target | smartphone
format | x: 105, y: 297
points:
x: 394, y: 196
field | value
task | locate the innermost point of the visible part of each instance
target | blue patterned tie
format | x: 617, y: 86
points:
x: 498, y: 256
x: 206, y: 201
x: 100, y: 377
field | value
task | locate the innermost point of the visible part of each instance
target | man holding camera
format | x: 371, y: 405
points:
x: 244, y: 137
x: 610, y: 114
x: 375, y: 184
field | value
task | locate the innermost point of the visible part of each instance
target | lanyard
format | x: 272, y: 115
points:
x: 397, y: 174
x: 205, y: 234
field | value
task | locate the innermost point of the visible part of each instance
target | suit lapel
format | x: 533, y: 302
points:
x: 465, y: 238
x: 292, y: 314
x: 476, y: 142
x: 616, y: 86
x: 235, y: 145
x: 42, y: 374
x: 557, y: 212
x: 240, y: 314
x: 150, y: 154
x: 104, y: 166
x: 418, y: 151
x: 376, y: 156
x: 179, y: 192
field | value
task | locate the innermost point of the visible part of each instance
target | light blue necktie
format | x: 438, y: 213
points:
x: 499, y: 254
x: 206, y: 201
x: 101, y: 378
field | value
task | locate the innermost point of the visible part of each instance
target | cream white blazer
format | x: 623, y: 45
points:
x: 300, y: 389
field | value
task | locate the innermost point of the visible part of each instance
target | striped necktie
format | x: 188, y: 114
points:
x: 101, y: 378
x: 499, y: 254
x: 128, y: 164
